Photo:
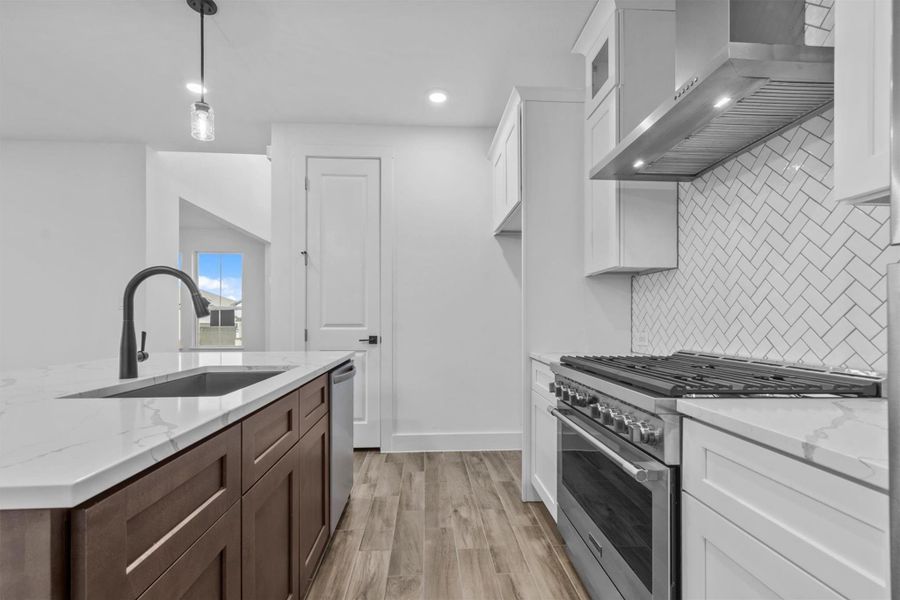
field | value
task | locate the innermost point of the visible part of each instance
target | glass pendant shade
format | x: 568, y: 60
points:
x: 203, y: 125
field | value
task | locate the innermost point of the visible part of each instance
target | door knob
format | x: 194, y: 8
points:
x: 372, y: 339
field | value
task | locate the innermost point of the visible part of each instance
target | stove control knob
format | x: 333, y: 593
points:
x: 581, y: 400
x: 651, y: 435
x: 623, y: 424
x: 610, y: 418
x: 600, y: 412
x: 558, y: 389
x: 637, y: 431
x: 551, y: 387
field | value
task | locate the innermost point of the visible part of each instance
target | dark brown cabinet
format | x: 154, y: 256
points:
x: 315, y: 503
x: 267, y: 434
x: 122, y: 542
x: 209, y: 570
x: 270, y: 531
x: 242, y: 514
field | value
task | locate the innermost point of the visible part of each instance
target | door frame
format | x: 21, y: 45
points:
x: 300, y: 156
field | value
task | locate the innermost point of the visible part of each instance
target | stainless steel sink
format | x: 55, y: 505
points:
x: 193, y: 383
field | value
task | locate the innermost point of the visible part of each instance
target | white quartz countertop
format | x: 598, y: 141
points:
x: 846, y: 435
x: 546, y: 357
x: 58, y: 452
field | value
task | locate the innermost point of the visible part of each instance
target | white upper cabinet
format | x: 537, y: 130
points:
x: 504, y: 155
x: 862, y: 93
x: 630, y: 227
x: 601, y: 72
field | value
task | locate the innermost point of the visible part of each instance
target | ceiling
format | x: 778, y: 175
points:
x: 115, y: 70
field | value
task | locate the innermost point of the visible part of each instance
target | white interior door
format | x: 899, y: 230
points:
x: 344, y: 277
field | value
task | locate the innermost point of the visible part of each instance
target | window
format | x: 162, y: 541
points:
x: 220, y: 277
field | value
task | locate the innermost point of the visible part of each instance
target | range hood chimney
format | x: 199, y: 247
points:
x: 744, y: 75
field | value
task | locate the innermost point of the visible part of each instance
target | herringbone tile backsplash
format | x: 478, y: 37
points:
x: 770, y: 266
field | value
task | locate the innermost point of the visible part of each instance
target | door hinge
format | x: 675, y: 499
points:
x: 306, y: 183
x: 306, y: 335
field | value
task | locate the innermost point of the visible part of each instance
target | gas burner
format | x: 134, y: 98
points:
x: 686, y: 374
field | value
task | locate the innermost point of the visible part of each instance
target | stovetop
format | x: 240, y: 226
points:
x: 692, y: 374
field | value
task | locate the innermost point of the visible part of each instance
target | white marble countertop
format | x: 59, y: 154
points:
x: 846, y: 435
x: 546, y: 357
x: 58, y: 452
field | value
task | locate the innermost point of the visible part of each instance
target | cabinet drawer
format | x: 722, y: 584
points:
x: 210, y: 569
x: 719, y: 560
x: 834, y: 529
x: 541, y: 378
x: 313, y: 402
x: 123, y: 542
x: 267, y: 435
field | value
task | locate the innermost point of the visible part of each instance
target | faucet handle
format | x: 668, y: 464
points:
x: 142, y: 355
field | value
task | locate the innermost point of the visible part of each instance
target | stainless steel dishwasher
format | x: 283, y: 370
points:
x: 341, y: 439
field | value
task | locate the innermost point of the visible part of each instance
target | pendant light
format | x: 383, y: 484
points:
x: 203, y: 125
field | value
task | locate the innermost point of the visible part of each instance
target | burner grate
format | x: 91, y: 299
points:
x: 682, y: 375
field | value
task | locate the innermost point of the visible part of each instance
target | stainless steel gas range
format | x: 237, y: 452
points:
x: 619, y: 451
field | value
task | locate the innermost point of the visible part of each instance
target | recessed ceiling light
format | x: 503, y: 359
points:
x: 437, y: 96
x: 195, y: 88
x: 638, y: 163
x: 722, y: 102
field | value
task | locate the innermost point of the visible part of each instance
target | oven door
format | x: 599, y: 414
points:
x: 622, y: 503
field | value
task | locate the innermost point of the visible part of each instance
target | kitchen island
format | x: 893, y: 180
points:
x: 153, y: 496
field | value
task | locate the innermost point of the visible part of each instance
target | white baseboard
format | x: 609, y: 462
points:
x: 452, y: 442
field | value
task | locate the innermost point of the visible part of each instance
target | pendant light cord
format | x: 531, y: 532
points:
x: 202, y: 80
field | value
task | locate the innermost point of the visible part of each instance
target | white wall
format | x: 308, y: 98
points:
x: 233, y: 187
x: 457, y: 291
x: 72, y: 232
x: 215, y: 236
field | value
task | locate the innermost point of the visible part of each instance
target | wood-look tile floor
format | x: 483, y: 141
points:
x: 444, y: 526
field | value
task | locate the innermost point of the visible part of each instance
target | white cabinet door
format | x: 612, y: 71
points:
x: 543, y: 451
x: 862, y: 92
x: 721, y: 561
x: 602, y: 235
x: 513, y: 183
x: 827, y: 525
x: 499, y: 196
x: 601, y: 65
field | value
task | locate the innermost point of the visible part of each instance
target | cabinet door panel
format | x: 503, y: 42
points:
x: 122, y: 542
x: 862, y: 79
x: 602, y: 233
x: 511, y: 152
x: 314, y: 402
x: 270, y: 532
x: 266, y: 435
x: 315, y: 501
x: 209, y: 570
x: 722, y: 561
x: 829, y: 526
x: 601, y: 65
x: 543, y: 441
x: 499, y: 181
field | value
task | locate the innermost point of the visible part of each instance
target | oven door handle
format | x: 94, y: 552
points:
x: 640, y: 474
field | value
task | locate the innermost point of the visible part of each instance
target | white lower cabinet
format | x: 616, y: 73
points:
x: 723, y: 561
x: 543, y: 436
x: 760, y: 524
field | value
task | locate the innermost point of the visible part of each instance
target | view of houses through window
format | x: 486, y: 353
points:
x: 220, y: 279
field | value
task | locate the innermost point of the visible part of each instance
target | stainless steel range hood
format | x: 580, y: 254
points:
x: 744, y: 75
